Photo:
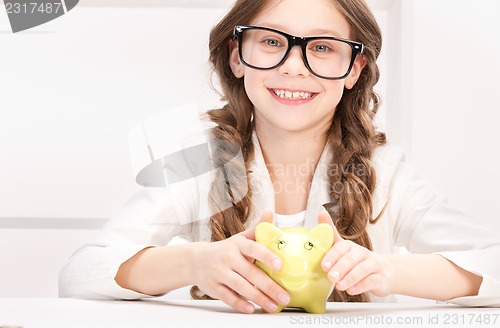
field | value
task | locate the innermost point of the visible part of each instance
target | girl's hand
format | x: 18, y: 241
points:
x: 354, y: 268
x: 225, y: 270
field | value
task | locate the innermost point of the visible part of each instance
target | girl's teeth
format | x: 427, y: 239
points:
x: 292, y: 95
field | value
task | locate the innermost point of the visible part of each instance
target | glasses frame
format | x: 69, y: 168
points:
x: 357, y: 48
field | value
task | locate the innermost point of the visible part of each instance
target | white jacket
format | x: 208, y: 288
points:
x: 416, y: 218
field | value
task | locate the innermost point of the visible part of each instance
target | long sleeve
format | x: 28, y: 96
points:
x: 425, y: 223
x: 149, y: 218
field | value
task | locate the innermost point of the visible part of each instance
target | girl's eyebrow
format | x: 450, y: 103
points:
x: 315, y: 32
x: 328, y: 33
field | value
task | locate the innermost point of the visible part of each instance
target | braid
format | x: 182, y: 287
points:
x: 352, y: 182
x: 230, y: 218
x: 230, y: 195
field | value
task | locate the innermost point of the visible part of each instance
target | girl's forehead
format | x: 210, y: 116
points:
x: 304, y: 18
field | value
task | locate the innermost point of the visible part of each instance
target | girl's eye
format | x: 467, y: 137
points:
x: 321, y: 48
x: 281, y: 244
x: 308, y: 245
x: 272, y: 43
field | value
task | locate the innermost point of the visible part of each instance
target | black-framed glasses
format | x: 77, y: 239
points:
x: 326, y: 57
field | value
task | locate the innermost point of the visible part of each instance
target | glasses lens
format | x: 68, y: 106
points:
x: 329, y: 58
x: 262, y: 48
x: 265, y: 49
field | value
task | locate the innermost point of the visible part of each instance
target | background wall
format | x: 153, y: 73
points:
x: 454, y: 110
x: 72, y: 89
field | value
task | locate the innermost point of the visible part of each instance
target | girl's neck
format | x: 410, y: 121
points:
x: 291, y: 160
x: 283, y: 147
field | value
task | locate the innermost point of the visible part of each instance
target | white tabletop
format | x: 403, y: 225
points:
x: 54, y: 312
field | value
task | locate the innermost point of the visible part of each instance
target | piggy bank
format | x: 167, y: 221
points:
x: 301, y: 251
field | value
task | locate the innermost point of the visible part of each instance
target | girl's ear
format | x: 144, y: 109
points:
x: 266, y: 233
x: 234, y: 60
x: 357, y: 67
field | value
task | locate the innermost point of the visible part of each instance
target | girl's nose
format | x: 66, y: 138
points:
x: 294, y: 64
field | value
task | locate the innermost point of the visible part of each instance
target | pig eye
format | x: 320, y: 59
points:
x: 308, y: 245
x: 281, y: 244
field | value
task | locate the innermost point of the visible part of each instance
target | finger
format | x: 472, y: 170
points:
x: 228, y: 296
x: 337, y: 251
x: 345, y: 264
x: 243, y: 287
x: 255, y: 251
x: 324, y: 217
x: 362, y: 270
x: 261, y: 289
x: 365, y: 285
x: 267, y: 216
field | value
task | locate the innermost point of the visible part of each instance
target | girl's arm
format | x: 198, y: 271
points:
x: 431, y: 276
x: 451, y: 253
x: 356, y: 270
x: 145, y: 272
x: 224, y: 270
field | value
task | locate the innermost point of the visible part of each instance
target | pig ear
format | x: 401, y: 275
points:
x: 323, y: 232
x: 266, y: 231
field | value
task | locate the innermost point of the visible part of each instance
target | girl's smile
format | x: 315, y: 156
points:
x: 292, y: 96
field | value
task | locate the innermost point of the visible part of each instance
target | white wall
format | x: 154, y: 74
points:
x: 454, y: 110
x: 72, y: 89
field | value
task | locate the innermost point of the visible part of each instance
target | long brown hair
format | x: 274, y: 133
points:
x: 352, y: 136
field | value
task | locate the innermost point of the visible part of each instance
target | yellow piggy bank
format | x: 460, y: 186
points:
x: 301, y: 275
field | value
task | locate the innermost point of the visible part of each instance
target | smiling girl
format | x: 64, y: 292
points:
x: 297, y: 79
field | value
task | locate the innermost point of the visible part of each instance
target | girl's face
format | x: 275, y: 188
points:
x: 312, y: 114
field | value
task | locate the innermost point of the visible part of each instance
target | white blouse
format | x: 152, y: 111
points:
x: 416, y: 218
x: 290, y: 220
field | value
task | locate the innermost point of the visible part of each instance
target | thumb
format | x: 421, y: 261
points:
x: 324, y: 217
x: 267, y: 216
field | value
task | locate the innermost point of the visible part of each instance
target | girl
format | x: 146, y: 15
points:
x: 297, y: 78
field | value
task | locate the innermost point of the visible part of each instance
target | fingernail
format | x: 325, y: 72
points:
x: 249, y: 308
x: 335, y: 275
x: 271, y: 307
x: 284, y: 299
x: 327, y: 265
x: 276, y: 264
